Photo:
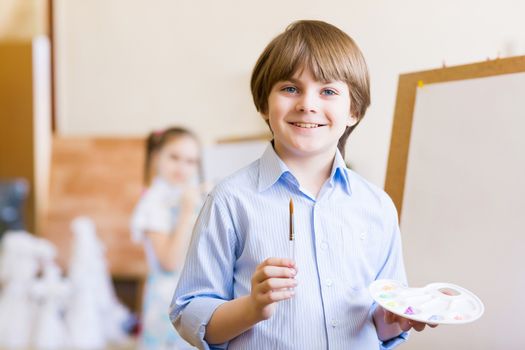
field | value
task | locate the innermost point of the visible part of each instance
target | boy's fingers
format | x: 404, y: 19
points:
x: 274, y: 296
x: 404, y: 324
x: 418, y: 326
x: 268, y: 271
x: 273, y: 261
x: 390, y: 317
x: 276, y: 284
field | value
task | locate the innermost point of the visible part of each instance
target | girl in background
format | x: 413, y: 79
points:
x: 162, y: 221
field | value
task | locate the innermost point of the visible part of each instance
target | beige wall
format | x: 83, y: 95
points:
x: 23, y: 19
x: 126, y: 66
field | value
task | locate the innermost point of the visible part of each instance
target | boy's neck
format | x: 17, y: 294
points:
x: 311, y: 171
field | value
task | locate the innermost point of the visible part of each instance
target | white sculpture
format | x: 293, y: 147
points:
x: 95, y: 317
x: 50, y: 312
x: 51, y: 292
x: 18, y: 270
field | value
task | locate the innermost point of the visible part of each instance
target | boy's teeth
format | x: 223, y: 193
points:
x: 306, y: 125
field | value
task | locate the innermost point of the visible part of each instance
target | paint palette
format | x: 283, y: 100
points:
x: 436, y: 303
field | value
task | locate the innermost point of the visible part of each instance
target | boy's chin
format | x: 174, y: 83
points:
x: 312, y: 150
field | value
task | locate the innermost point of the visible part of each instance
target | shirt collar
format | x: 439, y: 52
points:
x: 272, y: 168
x: 340, y: 173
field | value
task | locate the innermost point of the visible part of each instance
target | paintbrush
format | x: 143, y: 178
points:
x: 291, y: 238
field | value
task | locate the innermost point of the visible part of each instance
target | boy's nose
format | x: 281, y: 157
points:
x: 306, y: 105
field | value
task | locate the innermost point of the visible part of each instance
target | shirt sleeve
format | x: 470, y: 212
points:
x: 393, y: 266
x: 392, y: 343
x: 206, y: 280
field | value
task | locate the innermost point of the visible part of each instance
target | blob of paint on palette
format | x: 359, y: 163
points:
x: 435, y: 318
x: 412, y: 311
x: 392, y: 304
x: 387, y: 295
x: 388, y: 287
x: 449, y: 291
x: 459, y: 317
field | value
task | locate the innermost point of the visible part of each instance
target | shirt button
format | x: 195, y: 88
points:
x: 324, y: 245
x: 363, y: 235
x: 328, y: 282
x: 334, y: 322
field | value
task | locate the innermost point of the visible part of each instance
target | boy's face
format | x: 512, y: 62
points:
x: 307, y: 116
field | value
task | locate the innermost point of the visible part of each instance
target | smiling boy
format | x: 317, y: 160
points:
x: 311, y: 86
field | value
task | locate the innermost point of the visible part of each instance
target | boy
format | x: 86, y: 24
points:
x: 311, y: 86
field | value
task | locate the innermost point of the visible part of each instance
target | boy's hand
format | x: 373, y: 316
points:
x: 404, y: 323
x: 272, y: 282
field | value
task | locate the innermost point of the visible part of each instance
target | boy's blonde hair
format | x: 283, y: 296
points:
x: 327, y: 51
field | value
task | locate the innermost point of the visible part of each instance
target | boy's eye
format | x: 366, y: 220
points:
x: 290, y: 89
x: 329, y: 92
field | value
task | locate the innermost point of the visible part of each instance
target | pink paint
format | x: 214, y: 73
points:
x: 409, y: 311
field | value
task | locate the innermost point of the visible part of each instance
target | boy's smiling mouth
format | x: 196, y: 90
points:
x: 306, y: 125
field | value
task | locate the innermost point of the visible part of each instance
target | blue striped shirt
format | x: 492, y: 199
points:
x: 346, y: 238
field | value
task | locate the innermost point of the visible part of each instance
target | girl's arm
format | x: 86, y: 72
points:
x: 170, y: 248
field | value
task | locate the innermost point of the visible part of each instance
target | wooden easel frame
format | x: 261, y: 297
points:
x: 404, y: 111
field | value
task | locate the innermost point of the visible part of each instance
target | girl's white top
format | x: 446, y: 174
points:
x: 157, y: 211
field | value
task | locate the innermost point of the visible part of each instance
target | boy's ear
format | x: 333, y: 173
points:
x: 352, y: 120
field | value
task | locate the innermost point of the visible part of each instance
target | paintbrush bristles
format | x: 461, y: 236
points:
x: 292, y: 233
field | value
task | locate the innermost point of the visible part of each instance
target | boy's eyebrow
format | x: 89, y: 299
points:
x: 290, y: 80
x: 297, y: 82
